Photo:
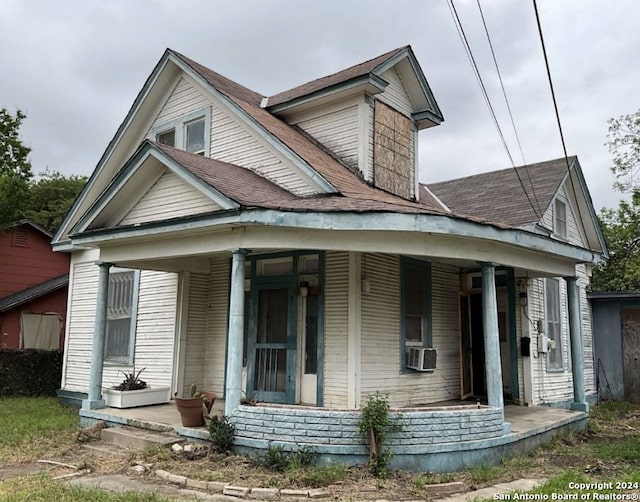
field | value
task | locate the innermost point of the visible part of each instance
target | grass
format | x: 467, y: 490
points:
x: 33, y: 427
x: 42, y: 489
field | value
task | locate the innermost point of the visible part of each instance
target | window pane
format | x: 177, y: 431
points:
x: 560, y: 218
x: 311, y: 342
x: 119, y: 310
x: 167, y: 138
x: 413, y: 328
x: 195, y: 137
x: 553, y: 326
x: 414, y: 291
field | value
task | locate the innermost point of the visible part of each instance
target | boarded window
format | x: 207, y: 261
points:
x: 120, y: 322
x: 40, y: 331
x: 553, y: 324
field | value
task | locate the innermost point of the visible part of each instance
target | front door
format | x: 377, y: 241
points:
x: 272, y: 344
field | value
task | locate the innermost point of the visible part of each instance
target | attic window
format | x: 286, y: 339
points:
x: 20, y: 238
x: 560, y: 219
x: 167, y: 137
x: 195, y: 137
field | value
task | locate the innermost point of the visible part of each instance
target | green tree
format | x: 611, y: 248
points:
x: 623, y: 141
x: 15, y: 168
x: 51, y: 196
x: 621, y: 229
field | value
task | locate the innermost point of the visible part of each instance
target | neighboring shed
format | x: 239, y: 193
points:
x: 616, y: 331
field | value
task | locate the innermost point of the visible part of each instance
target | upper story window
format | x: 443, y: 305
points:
x: 560, y: 218
x: 188, y: 132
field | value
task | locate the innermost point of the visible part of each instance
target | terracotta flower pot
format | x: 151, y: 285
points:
x: 190, y: 408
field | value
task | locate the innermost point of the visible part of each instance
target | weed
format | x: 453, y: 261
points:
x: 275, y: 459
x: 484, y: 474
x: 317, y: 477
x: 303, y: 457
x: 221, y: 433
x: 156, y: 453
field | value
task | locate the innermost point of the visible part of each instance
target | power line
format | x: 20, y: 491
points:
x: 555, y: 107
x: 467, y: 47
x: 506, y: 100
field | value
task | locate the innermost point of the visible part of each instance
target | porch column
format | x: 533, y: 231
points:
x: 577, y: 354
x: 493, y: 366
x: 233, y: 392
x: 95, y: 400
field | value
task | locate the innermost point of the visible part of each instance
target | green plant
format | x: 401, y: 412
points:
x: 374, y: 426
x: 303, y: 457
x: 131, y: 381
x: 317, y: 477
x: 221, y: 432
x: 275, y: 458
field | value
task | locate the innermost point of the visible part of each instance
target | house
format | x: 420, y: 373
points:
x: 616, y: 315
x: 281, y: 250
x: 33, y: 288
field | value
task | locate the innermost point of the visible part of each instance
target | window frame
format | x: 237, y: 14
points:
x: 427, y: 338
x: 179, y: 125
x: 135, y: 293
x: 552, y: 366
x: 556, y: 218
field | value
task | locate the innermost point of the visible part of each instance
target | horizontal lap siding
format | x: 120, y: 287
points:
x: 230, y: 142
x: 381, y: 335
x: 169, y: 197
x: 336, y: 300
x: 337, y: 131
x: 184, y: 99
x: 395, y: 94
x: 196, y: 330
x: 214, y: 366
x: 587, y: 332
x: 80, y: 321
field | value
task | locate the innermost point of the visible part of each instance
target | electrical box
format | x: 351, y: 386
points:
x: 543, y: 343
x: 525, y: 346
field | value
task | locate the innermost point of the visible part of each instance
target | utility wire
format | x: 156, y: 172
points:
x: 555, y: 107
x: 506, y: 100
x: 467, y: 47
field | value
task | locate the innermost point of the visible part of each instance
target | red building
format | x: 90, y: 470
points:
x: 33, y: 288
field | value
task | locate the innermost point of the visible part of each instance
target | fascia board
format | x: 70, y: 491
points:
x: 137, y: 103
x: 308, y: 172
x: 391, y: 222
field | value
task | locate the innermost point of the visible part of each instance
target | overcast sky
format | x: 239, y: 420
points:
x: 75, y: 67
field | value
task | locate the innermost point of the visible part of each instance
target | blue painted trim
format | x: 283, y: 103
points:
x: 513, y: 335
x: 226, y: 342
x: 320, y: 337
x: 71, y: 398
x: 425, y: 268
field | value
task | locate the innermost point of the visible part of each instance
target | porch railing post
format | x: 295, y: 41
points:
x: 94, y: 400
x: 493, y: 367
x: 233, y: 392
x: 577, y: 354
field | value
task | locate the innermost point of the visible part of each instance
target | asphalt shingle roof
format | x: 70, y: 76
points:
x: 26, y: 295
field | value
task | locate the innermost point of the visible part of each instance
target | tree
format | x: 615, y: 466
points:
x: 623, y: 141
x: 621, y: 229
x: 15, y: 168
x: 50, y: 198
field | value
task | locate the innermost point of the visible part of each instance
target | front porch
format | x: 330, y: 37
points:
x: 429, y: 441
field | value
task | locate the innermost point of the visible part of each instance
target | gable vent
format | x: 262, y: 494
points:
x: 20, y: 238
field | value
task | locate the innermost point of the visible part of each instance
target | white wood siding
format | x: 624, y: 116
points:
x: 587, y: 332
x: 337, y: 131
x: 169, y: 197
x: 155, y: 329
x: 574, y: 231
x: 184, y: 99
x: 231, y: 142
x: 336, y: 301
x: 216, y: 342
x: 395, y: 94
x: 196, y: 331
x: 381, y: 335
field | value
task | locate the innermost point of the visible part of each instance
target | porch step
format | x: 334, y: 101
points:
x: 137, y: 439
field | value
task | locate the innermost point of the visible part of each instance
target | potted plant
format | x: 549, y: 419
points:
x: 194, y: 409
x: 133, y: 392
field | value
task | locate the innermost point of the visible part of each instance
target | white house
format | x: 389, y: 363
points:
x: 281, y: 249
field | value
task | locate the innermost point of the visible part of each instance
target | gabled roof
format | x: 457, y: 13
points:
x: 30, y: 223
x: 34, y: 292
x: 499, y: 196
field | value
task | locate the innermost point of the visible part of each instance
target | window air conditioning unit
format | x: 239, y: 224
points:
x: 420, y: 359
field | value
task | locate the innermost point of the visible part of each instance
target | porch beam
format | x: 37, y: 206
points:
x: 493, y: 367
x: 235, y: 338
x: 577, y: 354
x: 94, y: 400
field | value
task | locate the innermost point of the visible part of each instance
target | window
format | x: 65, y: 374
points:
x: 167, y: 137
x: 415, y: 299
x: 121, y: 318
x: 553, y: 324
x: 194, y: 142
x: 560, y: 218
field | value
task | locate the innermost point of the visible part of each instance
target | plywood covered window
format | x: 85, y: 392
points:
x: 553, y: 323
x: 415, y: 298
x: 121, y: 316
